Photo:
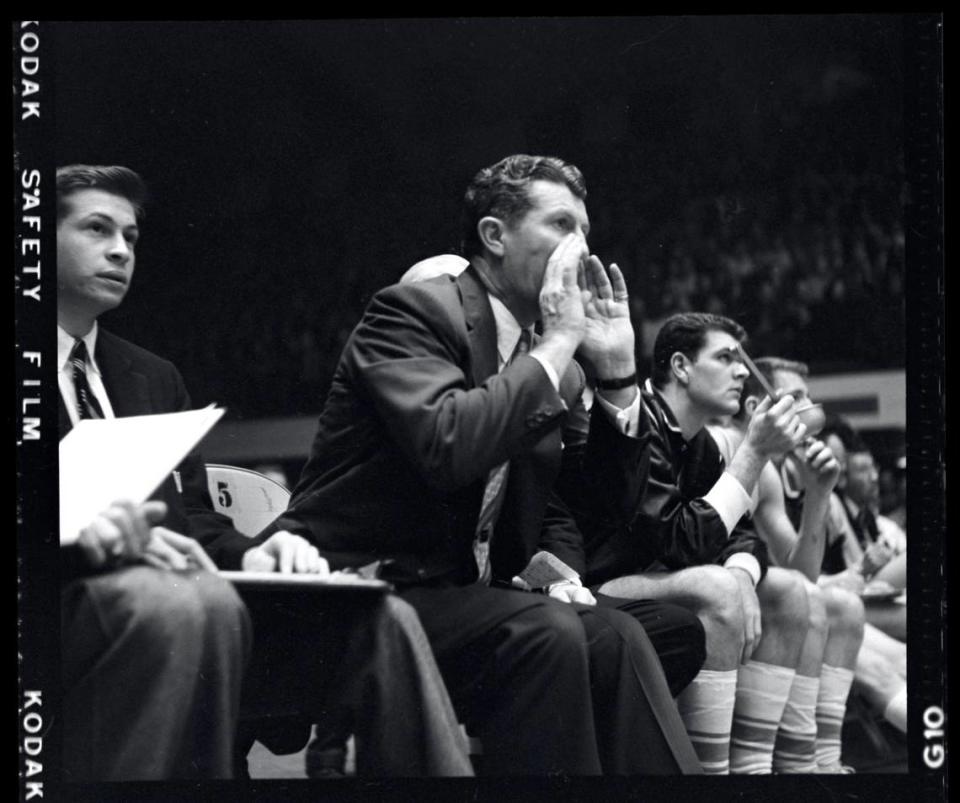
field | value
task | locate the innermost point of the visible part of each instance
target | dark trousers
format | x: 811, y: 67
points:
x: 676, y: 634
x: 152, y: 666
x: 351, y: 663
x: 552, y: 687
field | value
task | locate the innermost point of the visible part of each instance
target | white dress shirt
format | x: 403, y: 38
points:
x: 508, y: 335
x: 65, y: 374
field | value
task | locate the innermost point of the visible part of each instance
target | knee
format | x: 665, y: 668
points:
x: 784, y: 604
x: 845, y: 612
x: 719, y: 597
x: 551, y: 630
x: 182, y: 607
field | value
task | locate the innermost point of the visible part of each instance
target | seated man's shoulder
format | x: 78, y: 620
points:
x: 138, y: 357
x: 435, y: 303
x: 440, y: 290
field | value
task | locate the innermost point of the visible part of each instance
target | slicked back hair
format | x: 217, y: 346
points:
x: 114, y: 179
x: 501, y: 191
x: 686, y: 332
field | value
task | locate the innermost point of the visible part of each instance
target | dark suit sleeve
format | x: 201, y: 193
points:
x: 604, y: 472
x: 561, y: 535
x: 407, y: 355
x: 686, y: 531
x: 745, y: 538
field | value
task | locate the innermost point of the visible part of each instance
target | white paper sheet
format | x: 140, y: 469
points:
x: 105, y: 460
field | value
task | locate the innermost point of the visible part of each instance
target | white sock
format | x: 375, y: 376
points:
x: 831, y: 705
x: 706, y: 708
x: 762, y: 691
x: 796, y: 746
x: 896, y: 711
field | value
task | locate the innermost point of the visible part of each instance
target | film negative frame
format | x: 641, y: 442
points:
x: 34, y: 158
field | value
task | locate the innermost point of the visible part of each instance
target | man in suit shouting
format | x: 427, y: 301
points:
x: 435, y: 460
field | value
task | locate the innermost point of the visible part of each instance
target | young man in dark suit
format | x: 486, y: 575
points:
x: 436, y: 458
x: 369, y: 654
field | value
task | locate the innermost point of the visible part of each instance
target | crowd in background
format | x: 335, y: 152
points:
x: 813, y: 268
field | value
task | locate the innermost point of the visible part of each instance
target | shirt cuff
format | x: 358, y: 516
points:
x: 627, y: 419
x: 551, y: 371
x: 747, y: 562
x: 729, y: 498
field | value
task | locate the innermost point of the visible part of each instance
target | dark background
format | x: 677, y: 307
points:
x: 747, y: 165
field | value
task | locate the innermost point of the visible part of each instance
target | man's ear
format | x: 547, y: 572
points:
x: 490, y: 230
x: 678, y: 366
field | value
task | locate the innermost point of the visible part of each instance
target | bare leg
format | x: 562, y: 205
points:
x: 785, y: 615
x: 881, y: 668
x: 710, y: 592
x: 764, y: 682
x: 706, y: 705
x: 795, y: 748
x: 845, y: 620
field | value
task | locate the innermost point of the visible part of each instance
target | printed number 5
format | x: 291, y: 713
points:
x: 223, y: 495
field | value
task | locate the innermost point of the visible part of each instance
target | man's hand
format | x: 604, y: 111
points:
x: 120, y: 533
x: 169, y: 550
x: 608, y: 340
x: 774, y: 428
x: 875, y: 557
x: 286, y: 553
x: 569, y: 591
x: 751, y: 612
x: 561, y: 304
x: 819, y: 469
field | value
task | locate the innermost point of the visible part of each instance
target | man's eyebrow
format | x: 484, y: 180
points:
x: 567, y: 213
x: 106, y: 216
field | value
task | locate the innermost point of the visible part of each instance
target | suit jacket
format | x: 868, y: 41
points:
x: 674, y: 525
x: 416, y: 417
x: 140, y: 383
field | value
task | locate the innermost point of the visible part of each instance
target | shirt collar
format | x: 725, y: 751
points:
x: 852, y: 506
x: 668, y: 417
x: 65, y: 346
x: 508, y: 330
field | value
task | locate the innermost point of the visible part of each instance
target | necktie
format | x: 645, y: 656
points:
x: 493, y: 494
x: 87, y: 404
x: 868, y: 525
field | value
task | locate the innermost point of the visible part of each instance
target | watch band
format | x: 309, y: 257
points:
x: 617, y: 384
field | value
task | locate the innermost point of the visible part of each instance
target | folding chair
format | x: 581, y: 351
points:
x: 251, y: 499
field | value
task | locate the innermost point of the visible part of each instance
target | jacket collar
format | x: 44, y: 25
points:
x: 658, y: 406
x: 481, y: 325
